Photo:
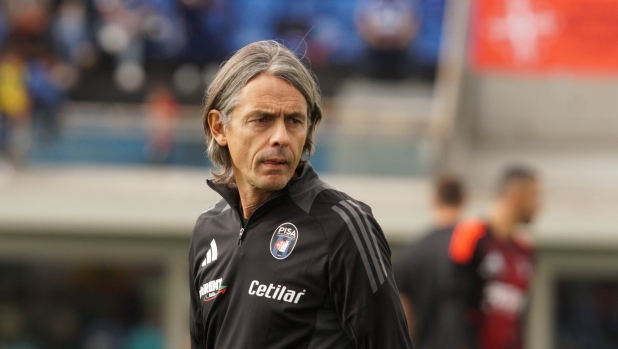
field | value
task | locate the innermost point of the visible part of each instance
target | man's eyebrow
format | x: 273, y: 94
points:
x: 296, y: 114
x: 271, y: 113
x: 261, y: 113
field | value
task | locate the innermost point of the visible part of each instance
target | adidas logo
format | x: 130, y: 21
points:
x: 211, y: 255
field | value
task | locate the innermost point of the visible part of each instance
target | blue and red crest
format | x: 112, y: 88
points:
x: 284, y: 240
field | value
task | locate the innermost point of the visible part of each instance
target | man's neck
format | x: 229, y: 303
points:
x: 501, y: 221
x: 446, y: 216
x: 251, y: 199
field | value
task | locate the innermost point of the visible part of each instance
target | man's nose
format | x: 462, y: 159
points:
x: 280, y: 136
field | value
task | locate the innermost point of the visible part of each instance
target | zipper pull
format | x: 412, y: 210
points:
x: 242, y: 230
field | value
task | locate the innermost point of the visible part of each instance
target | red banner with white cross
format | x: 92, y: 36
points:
x: 545, y: 36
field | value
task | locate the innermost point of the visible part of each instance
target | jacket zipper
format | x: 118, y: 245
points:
x: 242, y: 230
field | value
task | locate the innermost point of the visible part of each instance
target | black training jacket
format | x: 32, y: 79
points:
x: 310, y: 269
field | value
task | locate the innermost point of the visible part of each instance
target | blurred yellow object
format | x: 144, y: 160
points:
x: 14, y: 101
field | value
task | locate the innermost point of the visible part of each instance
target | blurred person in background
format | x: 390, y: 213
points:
x: 162, y: 112
x: 69, y: 31
x: 14, y: 106
x: 28, y: 20
x: 47, y: 94
x: 388, y: 27
x: 424, y: 272
x: 494, y: 262
x: 118, y: 32
x: 425, y: 48
x: 283, y: 260
x: 130, y: 31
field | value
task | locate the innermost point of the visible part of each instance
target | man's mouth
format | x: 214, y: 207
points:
x: 275, y: 163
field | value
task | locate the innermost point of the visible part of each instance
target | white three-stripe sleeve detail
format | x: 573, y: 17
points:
x: 213, y: 247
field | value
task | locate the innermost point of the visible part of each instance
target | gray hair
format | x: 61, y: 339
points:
x: 262, y: 57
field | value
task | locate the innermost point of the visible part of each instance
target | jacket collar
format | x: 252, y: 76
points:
x: 307, y: 180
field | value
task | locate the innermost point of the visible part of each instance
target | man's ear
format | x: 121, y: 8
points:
x: 216, y: 127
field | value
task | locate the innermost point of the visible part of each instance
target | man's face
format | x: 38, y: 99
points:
x: 266, y: 133
x: 529, y: 200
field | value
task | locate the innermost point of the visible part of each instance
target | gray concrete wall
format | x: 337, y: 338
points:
x: 555, y: 108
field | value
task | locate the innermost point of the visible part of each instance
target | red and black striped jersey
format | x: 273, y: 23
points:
x: 493, y: 278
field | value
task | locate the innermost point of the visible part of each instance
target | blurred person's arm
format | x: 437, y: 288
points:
x: 464, y: 253
x: 406, y: 272
x: 408, y: 308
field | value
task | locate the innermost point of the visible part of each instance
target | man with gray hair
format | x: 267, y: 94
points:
x: 283, y: 260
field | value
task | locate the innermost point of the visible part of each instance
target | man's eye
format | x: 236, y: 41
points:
x: 296, y: 121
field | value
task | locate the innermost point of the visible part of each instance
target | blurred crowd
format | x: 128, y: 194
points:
x: 132, y: 39
x: 33, y: 78
x: 118, y: 50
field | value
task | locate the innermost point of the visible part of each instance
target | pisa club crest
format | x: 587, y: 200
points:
x: 284, y: 240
